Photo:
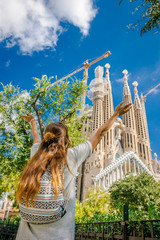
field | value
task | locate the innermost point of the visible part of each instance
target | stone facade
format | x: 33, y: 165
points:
x: 125, y: 147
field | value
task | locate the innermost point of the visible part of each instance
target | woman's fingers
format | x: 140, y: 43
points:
x: 29, y: 114
x: 123, y: 109
x: 128, y: 105
x: 127, y: 109
x: 121, y: 104
x: 27, y: 118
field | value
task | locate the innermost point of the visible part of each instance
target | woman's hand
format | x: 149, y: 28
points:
x: 28, y: 118
x: 120, y: 110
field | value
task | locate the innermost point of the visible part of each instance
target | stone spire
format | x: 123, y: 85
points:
x: 109, y: 139
x: 144, y: 113
x: 107, y: 78
x: 98, y: 111
x: 155, y: 163
x: 130, y: 135
x: 142, y: 135
x: 126, y: 90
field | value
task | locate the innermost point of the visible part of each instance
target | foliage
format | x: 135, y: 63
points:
x: 14, y: 136
x: 150, y: 15
x: 141, y: 193
x: 14, y: 219
x: 95, y: 208
x: 61, y: 101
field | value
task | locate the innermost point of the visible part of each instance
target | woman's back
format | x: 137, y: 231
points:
x: 63, y: 228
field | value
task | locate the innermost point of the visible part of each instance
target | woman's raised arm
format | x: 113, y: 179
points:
x: 30, y: 118
x: 119, y: 110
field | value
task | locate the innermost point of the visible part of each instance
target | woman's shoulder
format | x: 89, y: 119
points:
x: 83, y: 147
x: 34, y: 148
x: 83, y: 150
x: 70, y: 153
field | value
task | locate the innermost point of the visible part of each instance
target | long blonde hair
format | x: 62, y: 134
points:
x: 52, y: 153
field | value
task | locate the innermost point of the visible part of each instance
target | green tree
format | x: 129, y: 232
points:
x: 60, y: 102
x: 141, y: 193
x: 94, y: 208
x: 150, y: 16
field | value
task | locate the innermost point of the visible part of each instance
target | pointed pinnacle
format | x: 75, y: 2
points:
x: 135, y: 84
x: 107, y: 66
x: 125, y: 72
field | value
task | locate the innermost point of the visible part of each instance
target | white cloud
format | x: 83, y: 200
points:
x: 121, y: 80
x: 148, y: 78
x: 155, y: 91
x: 25, y: 96
x: 8, y: 63
x: 36, y: 25
x: 148, y: 73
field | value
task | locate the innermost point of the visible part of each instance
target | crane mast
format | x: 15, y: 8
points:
x: 151, y: 90
x: 86, y: 65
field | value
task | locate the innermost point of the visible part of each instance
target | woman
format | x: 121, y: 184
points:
x: 54, y: 152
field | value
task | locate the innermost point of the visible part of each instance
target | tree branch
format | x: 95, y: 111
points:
x: 38, y: 113
x: 68, y: 116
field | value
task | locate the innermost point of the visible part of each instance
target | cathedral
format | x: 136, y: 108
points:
x: 125, y: 147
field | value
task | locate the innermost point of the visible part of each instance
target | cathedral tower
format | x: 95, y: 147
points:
x: 109, y: 139
x: 130, y: 135
x: 142, y: 130
x: 145, y: 118
x: 98, y: 111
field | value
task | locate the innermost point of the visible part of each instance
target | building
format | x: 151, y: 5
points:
x: 125, y: 147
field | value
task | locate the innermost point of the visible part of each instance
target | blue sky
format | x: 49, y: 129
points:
x: 54, y: 40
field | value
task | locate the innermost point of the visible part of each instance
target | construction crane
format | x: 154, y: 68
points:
x: 86, y: 65
x: 151, y: 90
